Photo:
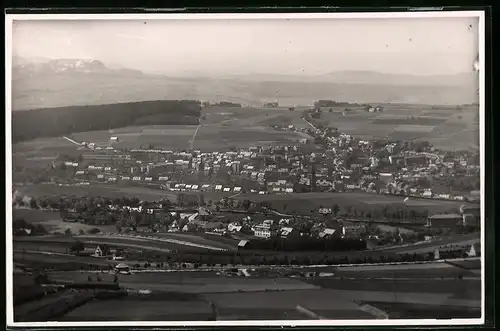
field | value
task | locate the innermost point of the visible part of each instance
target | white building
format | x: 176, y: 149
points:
x: 353, y: 231
x: 265, y: 230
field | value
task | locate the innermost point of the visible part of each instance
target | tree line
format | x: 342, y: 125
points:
x: 263, y: 257
x: 49, y: 122
x: 306, y: 243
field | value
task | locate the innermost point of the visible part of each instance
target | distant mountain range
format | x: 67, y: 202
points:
x: 369, y: 78
x: 39, y: 66
x: 41, y: 83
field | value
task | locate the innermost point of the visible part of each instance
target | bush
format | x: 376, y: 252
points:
x: 94, y: 231
x: 77, y: 247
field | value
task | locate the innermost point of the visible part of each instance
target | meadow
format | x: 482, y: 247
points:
x: 168, y: 137
x: 446, y: 128
x: 109, y: 191
x: 52, y: 221
x: 309, y: 203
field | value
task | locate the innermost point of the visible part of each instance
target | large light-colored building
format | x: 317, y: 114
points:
x: 353, y: 231
x: 265, y: 230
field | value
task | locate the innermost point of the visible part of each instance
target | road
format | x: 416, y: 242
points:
x: 315, y: 128
x: 72, y: 141
x: 233, y: 196
x: 194, y: 137
x: 150, y: 238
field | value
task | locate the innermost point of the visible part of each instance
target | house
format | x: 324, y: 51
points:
x: 122, y: 268
x: 211, y: 226
x: 284, y: 221
x: 427, y: 194
x: 325, y: 211
x: 328, y: 233
x: 174, y: 227
x: 396, y: 159
x: 474, y: 251
x: 286, y: 232
x: 23, y: 232
x: 242, y: 244
x: 386, y: 177
x: 265, y: 230
x: 102, y: 250
x: 234, y: 227
x: 353, y: 231
x: 444, y: 221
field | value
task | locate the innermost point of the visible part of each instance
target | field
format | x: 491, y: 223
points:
x: 110, y: 191
x: 308, y: 203
x: 420, y: 288
x: 190, y: 282
x: 166, y: 244
x: 456, y: 240
x: 171, y: 137
x: 444, y: 127
x: 141, y: 310
x: 52, y: 221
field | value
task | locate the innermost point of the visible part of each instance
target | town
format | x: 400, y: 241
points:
x: 330, y: 161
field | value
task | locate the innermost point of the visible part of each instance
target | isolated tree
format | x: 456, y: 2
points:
x: 335, y: 209
x: 33, y: 204
x: 68, y: 232
x: 201, y: 199
x: 246, y: 204
x: 39, y: 229
x: 181, y: 199
x: 77, y: 247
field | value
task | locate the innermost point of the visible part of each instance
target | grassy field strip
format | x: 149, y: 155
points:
x: 40, y: 252
x: 149, y: 248
x: 171, y: 241
x: 308, y: 313
x: 56, y: 306
x: 132, y: 310
x: 400, y: 297
x: 187, y: 284
x: 377, y: 313
x: 434, y: 247
x: 433, y: 243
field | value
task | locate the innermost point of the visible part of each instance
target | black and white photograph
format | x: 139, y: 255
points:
x: 245, y: 169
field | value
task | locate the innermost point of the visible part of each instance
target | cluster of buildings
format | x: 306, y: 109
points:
x: 343, y: 164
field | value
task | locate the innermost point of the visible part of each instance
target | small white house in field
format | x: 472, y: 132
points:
x: 113, y: 140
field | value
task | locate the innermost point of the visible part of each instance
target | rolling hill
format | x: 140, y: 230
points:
x: 72, y: 82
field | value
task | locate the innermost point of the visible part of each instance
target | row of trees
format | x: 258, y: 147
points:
x: 306, y: 243
x: 183, y: 259
x: 332, y: 103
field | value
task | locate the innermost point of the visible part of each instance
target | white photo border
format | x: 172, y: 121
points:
x: 480, y: 14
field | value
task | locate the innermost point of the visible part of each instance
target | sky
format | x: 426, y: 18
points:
x: 420, y: 46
